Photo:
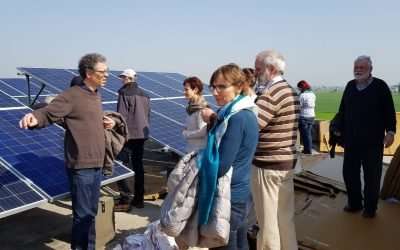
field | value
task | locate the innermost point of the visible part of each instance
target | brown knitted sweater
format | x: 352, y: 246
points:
x: 84, y: 143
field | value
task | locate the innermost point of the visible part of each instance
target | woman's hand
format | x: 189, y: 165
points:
x: 206, y: 114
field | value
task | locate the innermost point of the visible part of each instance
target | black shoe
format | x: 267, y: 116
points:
x: 137, y: 204
x: 352, y: 210
x: 368, y: 214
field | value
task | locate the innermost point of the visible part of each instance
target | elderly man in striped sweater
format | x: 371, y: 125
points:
x: 275, y: 157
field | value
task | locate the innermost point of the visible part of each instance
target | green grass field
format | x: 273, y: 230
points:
x: 327, y: 104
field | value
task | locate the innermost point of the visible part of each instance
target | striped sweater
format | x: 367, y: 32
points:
x: 278, y: 112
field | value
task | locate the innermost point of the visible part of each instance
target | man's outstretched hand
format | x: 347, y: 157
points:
x: 28, y: 121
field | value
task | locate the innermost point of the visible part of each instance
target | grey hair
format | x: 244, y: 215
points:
x: 273, y: 58
x: 364, y: 58
x: 88, y: 61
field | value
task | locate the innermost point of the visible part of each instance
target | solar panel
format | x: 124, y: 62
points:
x: 16, y: 195
x: 39, y: 154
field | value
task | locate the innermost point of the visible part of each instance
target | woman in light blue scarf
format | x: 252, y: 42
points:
x: 231, y: 143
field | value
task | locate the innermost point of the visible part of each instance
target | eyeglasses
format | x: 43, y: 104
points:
x: 103, y: 72
x: 218, y: 88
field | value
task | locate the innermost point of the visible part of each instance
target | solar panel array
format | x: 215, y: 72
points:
x: 31, y: 162
x: 32, y: 169
x: 165, y: 90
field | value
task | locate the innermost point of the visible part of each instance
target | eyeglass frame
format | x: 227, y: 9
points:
x: 219, y: 88
x: 103, y: 72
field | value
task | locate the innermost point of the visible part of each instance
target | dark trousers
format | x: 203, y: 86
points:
x: 238, y: 229
x: 85, y: 192
x: 135, y: 148
x: 370, y: 158
x: 305, y: 127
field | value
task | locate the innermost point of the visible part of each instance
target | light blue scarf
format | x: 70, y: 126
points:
x: 208, y: 158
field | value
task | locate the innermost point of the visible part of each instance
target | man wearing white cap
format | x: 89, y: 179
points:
x: 134, y: 105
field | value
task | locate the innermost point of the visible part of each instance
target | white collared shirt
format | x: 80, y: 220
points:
x: 264, y: 86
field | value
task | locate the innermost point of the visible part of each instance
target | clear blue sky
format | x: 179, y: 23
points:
x: 319, y: 38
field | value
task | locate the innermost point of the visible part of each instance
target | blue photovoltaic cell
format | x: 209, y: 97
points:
x: 19, y: 87
x: 167, y: 132
x: 182, y: 101
x: 38, y: 154
x: 211, y: 101
x: 8, y: 102
x: 175, y: 76
x: 16, y: 195
x: 109, y: 106
x: 162, y: 88
x: 170, y: 109
x: 11, y: 90
x: 162, y: 79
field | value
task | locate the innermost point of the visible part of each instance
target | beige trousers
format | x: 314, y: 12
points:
x: 273, y: 196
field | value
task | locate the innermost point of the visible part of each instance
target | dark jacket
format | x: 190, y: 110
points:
x: 134, y: 105
x: 367, y: 114
x: 115, y: 139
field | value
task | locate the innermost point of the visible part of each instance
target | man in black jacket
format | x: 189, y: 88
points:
x: 368, y: 123
x: 134, y: 106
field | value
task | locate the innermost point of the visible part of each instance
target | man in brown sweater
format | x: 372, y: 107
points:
x: 275, y: 157
x: 84, y: 143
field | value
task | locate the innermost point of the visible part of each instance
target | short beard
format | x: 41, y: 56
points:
x: 261, y: 79
x: 361, y: 78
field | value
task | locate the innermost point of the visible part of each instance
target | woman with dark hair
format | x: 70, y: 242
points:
x: 195, y: 131
x: 231, y: 142
x: 307, y: 115
x: 250, y: 81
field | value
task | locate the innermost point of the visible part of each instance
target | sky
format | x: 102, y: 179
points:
x: 318, y: 38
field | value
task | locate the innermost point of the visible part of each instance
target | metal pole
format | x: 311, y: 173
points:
x: 29, y: 88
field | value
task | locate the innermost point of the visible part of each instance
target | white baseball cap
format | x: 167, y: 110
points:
x: 128, y: 73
